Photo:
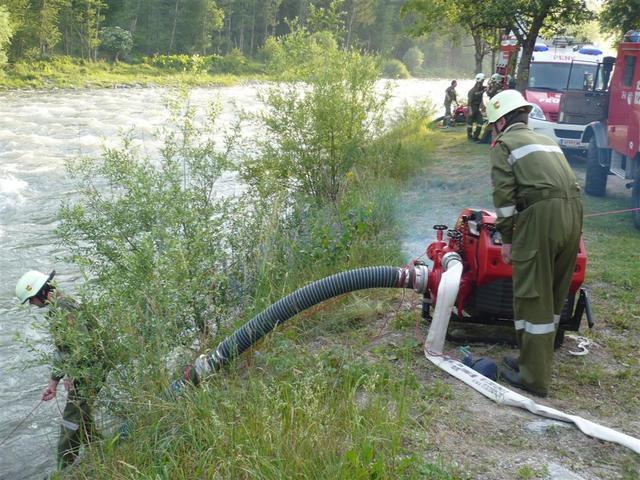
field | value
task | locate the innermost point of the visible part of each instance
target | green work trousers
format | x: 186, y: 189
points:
x: 545, y: 245
x: 77, y: 425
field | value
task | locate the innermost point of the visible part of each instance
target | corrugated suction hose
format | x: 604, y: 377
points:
x: 298, y: 301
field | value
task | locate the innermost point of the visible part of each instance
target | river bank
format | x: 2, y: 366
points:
x: 71, y: 73
x: 344, y: 391
x: 43, y: 130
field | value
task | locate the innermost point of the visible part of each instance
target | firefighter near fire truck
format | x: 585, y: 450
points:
x: 537, y: 201
x: 474, y: 100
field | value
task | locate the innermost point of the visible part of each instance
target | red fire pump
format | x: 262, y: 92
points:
x: 485, y: 295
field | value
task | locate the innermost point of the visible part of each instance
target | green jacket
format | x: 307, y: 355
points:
x: 474, y: 97
x: 526, y: 167
x: 77, y: 350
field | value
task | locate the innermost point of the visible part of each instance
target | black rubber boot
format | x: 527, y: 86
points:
x: 469, y: 130
x: 476, y: 134
x: 511, y: 363
x: 513, y: 378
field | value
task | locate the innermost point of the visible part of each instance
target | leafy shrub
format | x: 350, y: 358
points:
x: 166, y: 252
x: 394, y: 69
x: 234, y: 63
x: 6, y: 31
x: 182, y: 63
x: 315, y: 135
x: 115, y: 41
x: 413, y: 59
x: 295, y: 55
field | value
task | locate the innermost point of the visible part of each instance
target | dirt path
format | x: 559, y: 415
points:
x: 493, y: 442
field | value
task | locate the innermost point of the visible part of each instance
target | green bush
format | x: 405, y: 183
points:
x: 234, y: 63
x: 182, y: 63
x: 115, y: 41
x: 394, y: 69
x: 297, y: 54
x: 6, y: 31
x: 413, y: 59
x: 315, y: 135
x: 167, y: 254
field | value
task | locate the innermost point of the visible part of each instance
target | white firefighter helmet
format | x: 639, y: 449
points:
x: 496, y: 77
x: 479, y: 77
x: 505, y: 102
x: 30, y: 284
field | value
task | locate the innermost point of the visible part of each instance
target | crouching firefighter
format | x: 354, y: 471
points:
x: 77, y: 360
x: 537, y: 201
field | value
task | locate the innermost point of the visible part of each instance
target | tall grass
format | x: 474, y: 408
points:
x: 285, y: 409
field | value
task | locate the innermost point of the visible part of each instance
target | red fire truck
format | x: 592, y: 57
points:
x: 556, y: 67
x: 612, y: 105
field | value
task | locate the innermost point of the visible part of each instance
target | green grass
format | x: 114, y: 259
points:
x: 340, y: 392
x: 294, y: 413
x: 66, y: 73
x: 321, y: 397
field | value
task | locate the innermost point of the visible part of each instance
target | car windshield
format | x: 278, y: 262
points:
x: 554, y: 76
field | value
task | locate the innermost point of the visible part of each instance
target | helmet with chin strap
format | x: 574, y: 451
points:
x: 505, y: 102
x: 31, y: 283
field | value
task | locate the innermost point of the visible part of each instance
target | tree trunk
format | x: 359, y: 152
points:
x: 352, y: 16
x: 479, y: 51
x: 95, y: 42
x: 253, y: 27
x: 527, y: 51
x: 43, y: 45
x: 496, y: 39
x: 173, y: 29
x: 229, y: 36
x: 134, y: 21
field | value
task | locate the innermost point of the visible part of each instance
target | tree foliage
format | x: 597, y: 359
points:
x: 45, y: 27
x: 167, y: 252
x: 527, y: 19
x: 441, y: 15
x: 413, y: 59
x: 523, y: 18
x: 315, y: 134
x: 116, y: 41
x: 6, y: 31
x: 620, y: 16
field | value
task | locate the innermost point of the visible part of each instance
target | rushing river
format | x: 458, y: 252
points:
x: 39, y: 131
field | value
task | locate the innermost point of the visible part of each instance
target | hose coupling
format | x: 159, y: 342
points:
x: 202, y: 367
x: 450, y: 257
x: 421, y: 278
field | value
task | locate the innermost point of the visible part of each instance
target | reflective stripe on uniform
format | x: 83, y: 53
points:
x: 70, y: 425
x: 535, y: 329
x: 504, y: 212
x: 520, y: 152
x: 556, y: 319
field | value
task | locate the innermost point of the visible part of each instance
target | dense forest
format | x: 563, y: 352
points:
x: 429, y: 37
x: 131, y: 29
x: 203, y: 27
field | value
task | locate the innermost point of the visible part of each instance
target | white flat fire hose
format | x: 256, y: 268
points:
x: 434, y: 344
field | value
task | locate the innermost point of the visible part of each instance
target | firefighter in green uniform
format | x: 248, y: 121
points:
x: 495, y: 85
x: 73, y: 347
x: 450, y: 96
x: 474, y: 104
x: 539, y: 212
x: 494, y: 88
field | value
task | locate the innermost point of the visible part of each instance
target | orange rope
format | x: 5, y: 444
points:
x: 597, y: 214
